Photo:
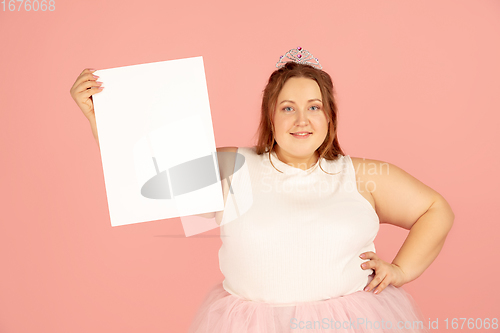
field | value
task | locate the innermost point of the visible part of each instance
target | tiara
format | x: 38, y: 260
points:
x: 300, y: 56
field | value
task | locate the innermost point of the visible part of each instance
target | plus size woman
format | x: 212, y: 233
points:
x: 298, y: 255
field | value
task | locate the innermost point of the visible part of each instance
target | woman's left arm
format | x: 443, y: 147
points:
x: 402, y: 200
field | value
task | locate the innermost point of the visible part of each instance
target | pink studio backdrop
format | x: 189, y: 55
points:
x: 417, y: 85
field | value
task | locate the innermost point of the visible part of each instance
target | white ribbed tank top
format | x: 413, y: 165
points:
x: 295, y: 236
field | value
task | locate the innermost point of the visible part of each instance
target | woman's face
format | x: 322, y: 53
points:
x: 299, y: 108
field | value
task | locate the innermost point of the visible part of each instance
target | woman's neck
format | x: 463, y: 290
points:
x: 300, y: 162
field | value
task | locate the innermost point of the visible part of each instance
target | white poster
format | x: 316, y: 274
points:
x: 157, y: 142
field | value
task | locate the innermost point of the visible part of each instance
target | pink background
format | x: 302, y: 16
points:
x: 417, y: 84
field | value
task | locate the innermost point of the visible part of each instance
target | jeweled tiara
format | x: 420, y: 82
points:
x: 299, y: 55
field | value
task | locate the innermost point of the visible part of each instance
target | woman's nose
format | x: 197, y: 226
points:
x: 301, y: 117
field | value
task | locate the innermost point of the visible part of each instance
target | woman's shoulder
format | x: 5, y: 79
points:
x: 365, y: 165
x: 236, y: 156
x: 370, y: 170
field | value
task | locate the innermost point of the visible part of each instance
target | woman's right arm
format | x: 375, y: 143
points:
x: 82, y: 90
x: 226, y: 169
x: 94, y: 130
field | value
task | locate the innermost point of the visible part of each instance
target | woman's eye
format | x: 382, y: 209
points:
x: 315, y: 107
x: 287, y: 108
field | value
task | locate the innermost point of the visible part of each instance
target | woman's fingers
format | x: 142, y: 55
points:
x: 85, y: 75
x: 371, y: 263
x: 88, y: 70
x: 382, y: 285
x: 385, y: 274
x: 368, y: 255
x: 381, y: 279
x: 84, y: 82
x: 82, y: 90
x: 85, y: 85
x: 376, y: 282
x: 89, y: 92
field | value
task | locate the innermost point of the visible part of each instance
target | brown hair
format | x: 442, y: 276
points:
x: 330, y: 148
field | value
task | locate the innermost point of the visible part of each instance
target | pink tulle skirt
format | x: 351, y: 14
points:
x: 392, y: 310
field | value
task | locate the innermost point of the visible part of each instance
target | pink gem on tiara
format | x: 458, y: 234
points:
x: 300, y: 56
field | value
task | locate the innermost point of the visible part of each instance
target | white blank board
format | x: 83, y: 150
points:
x: 153, y: 119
